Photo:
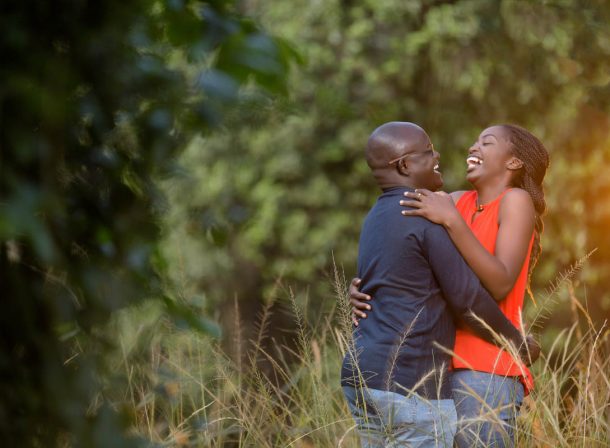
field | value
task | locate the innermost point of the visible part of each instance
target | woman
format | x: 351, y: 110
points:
x: 497, y: 229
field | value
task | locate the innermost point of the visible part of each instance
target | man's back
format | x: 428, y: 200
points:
x: 394, y: 345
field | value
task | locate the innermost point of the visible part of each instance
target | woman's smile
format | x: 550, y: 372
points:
x: 472, y: 162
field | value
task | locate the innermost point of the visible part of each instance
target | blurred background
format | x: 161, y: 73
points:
x: 203, y: 163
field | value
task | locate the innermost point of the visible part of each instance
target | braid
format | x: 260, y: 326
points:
x: 535, y: 160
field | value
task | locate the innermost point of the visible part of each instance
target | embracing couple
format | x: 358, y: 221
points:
x: 440, y: 288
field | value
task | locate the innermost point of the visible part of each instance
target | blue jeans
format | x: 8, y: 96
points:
x: 388, y: 419
x: 487, y: 406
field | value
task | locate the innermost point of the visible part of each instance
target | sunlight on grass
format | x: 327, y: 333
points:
x: 185, y: 389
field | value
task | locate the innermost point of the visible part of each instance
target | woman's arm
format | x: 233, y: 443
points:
x: 499, y: 271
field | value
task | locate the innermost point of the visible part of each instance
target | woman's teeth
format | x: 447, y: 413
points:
x: 473, y: 160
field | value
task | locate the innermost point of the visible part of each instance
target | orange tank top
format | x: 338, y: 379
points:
x: 471, y: 352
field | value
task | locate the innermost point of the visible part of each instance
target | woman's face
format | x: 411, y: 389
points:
x: 489, y: 156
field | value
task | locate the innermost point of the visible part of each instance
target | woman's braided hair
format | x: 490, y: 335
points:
x: 535, y: 158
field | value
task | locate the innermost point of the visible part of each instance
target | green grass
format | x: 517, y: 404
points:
x: 184, y: 389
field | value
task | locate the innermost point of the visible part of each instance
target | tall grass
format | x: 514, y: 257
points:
x: 185, y: 390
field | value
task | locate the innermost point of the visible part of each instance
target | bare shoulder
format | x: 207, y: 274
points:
x: 456, y: 195
x: 518, y: 202
x: 517, y: 197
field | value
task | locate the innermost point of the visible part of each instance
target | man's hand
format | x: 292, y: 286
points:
x: 358, y: 301
x: 531, y: 352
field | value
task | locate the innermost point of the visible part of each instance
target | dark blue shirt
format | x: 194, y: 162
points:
x: 419, y: 283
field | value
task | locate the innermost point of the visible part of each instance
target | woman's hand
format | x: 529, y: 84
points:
x: 358, y: 301
x: 437, y: 207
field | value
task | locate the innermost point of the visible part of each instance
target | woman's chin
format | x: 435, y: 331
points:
x: 472, y: 177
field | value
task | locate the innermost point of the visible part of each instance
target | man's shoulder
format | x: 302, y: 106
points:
x: 433, y: 232
x: 389, y: 211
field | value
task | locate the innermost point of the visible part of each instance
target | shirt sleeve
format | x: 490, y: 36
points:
x: 463, y: 291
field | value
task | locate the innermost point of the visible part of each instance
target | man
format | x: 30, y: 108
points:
x: 395, y: 375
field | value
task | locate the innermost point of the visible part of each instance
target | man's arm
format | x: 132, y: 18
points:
x: 464, y: 293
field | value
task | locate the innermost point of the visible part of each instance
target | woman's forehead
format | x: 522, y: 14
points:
x: 496, y: 131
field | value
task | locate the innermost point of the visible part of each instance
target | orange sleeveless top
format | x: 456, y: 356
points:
x: 472, y: 352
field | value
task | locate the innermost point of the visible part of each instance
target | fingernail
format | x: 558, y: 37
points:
x: 368, y: 308
x: 404, y: 212
x: 364, y: 315
x: 402, y: 202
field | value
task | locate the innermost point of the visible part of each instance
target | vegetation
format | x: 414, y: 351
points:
x: 95, y: 106
x: 285, y: 187
x: 174, y: 171
x: 188, y: 392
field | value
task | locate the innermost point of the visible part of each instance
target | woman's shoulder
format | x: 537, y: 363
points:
x: 456, y: 195
x: 517, y: 202
x: 516, y: 197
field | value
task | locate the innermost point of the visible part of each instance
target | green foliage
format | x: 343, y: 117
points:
x: 294, y: 188
x: 95, y: 104
x: 99, y: 98
x: 192, y: 393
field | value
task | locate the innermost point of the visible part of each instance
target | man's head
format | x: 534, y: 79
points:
x: 401, y: 154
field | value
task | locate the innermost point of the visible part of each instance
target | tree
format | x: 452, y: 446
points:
x: 95, y: 104
x: 295, y: 189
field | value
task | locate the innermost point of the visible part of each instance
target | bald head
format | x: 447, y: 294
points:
x: 392, y: 140
x: 400, y: 154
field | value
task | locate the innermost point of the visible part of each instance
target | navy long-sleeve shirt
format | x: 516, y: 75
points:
x: 420, y: 283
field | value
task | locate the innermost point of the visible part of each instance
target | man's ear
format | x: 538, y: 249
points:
x: 403, y: 166
x: 514, y: 164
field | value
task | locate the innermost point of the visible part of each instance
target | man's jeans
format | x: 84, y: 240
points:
x: 388, y: 419
x: 487, y: 406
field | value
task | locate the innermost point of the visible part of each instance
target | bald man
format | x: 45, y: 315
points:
x: 395, y: 376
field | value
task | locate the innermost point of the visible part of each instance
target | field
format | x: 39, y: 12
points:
x: 187, y: 390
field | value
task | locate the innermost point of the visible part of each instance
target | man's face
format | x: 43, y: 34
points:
x: 422, y: 165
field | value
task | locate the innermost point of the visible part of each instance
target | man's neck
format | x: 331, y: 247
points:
x: 396, y: 187
x: 386, y: 184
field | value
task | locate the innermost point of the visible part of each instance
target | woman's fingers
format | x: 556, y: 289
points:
x: 411, y: 195
x: 417, y: 194
x: 413, y: 212
x: 414, y: 204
